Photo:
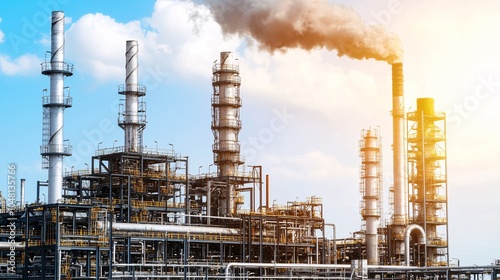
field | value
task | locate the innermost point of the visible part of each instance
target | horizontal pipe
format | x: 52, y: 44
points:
x: 284, y: 265
x: 5, y: 246
x: 174, y: 228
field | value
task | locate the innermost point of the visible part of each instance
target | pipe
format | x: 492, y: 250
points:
x: 173, y: 228
x: 421, y: 239
x: 6, y: 246
x: 283, y: 265
x: 268, y: 187
x: 399, y: 159
x: 399, y: 147
x: 22, y: 193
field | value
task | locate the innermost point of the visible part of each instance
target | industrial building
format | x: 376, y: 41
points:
x: 138, y: 213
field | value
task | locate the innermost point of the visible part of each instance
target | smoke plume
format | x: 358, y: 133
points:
x: 278, y: 25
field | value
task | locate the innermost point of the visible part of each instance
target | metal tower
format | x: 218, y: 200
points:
x: 133, y: 118
x: 54, y: 147
x: 226, y: 123
x: 371, y: 189
x: 427, y: 179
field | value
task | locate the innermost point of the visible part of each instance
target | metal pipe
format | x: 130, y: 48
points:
x: 283, y: 265
x: 421, y: 240
x: 267, y: 191
x: 22, y: 193
x: 399, y: 147
x: 173, y: 228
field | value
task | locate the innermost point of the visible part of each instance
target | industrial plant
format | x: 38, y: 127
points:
x: 139, y: 213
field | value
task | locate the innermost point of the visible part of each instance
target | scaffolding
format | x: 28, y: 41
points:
x: 427, y: 179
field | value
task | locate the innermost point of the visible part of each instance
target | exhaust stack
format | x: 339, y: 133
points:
x: 133, y: 118
x: 399, y: 158
x: 54, y: 148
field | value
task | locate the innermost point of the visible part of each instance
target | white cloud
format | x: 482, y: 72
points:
x: 27, y: 64
x: 179, y: 37
x: 98, y: 45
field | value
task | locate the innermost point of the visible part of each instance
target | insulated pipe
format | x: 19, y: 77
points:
x: 173, y: 228
x: 421, y: 239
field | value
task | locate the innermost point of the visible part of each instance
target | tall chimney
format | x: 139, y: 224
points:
x: 133, y: 118
x: 399, y: 157
x: 226, y: 123
x: 53, y: 147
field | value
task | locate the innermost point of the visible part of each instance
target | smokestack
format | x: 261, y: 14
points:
x: 133, y: 118
x: 226, y: 123
x: 53, y: 147
x: 399, y: 158
x: 283, y: 24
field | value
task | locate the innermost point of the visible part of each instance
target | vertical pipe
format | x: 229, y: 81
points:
x: 22, y: 193
x: 399, y: 158
x: 209, y: 201
x: 399, y: 147
x: 267, y: 191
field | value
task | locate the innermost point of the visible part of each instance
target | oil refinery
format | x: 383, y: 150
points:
x: 141, y: 213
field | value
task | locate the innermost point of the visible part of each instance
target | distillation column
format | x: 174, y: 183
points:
x: 226, y: 123
x: 371, y: 189
x: 399, y: 162
x: 54, y: 148
x: 133, y: 118
x: 428, y: 180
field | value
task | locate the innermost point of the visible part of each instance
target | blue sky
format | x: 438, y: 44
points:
x: 321, y: 101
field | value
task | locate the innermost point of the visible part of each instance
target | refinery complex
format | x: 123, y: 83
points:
x: 140, y: 213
